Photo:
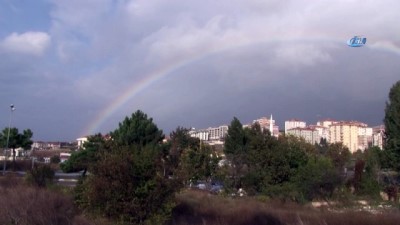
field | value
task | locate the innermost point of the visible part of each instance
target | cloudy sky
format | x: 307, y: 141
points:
x: 77, y: 67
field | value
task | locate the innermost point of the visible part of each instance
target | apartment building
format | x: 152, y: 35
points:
x: 217, y: 133
x: 347, y: 132
x: 310, y: 134
x: 323, y: 132
x: 326, y: 123
x: 268, y: 124
x: 294, y: 123
x: 211, y: 134
x: 378, y: 136
x: 364, y: 136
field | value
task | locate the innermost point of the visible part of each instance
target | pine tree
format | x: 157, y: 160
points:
x: 392, y: 126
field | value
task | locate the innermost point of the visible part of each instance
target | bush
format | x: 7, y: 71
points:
x: 40, y: 175
x: 126, y: 185
x: 197, y: 208
x: 55, y: 159
x: 29, y: 205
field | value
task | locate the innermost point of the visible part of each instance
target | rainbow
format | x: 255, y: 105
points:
x: 152, y: 77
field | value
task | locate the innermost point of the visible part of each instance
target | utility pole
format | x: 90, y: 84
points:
x: 12, y: 109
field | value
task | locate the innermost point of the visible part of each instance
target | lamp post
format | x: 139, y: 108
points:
x: 12, y: 109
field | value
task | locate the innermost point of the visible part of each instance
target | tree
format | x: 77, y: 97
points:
x: 198, y: 164
x: 127, y: 185
x: 235, y: 150
x: 188, y: 158
x: 127, y: 182
x: 367, y: 173
x: 289, y: 154
x: 82, y: 159
x: 137, y: 130
x: 260, y: 146
x: 180, y: 141
x: 339, y: 154
x: 16, y: 139
x: 392, y: 125
x: 318, y: 178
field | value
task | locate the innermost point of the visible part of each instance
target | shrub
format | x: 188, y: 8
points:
x: 29, y: 205
x: 127, y: 186
x: 40, y: 175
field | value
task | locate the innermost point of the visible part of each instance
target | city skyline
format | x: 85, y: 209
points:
x: 75, y: 68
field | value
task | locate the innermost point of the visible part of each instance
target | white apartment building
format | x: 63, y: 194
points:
x: 80, y: 142
x: 268, y: 124
x: 323, y: 132
x: 217, y: 133
x: 310, y: 134
x: 200, y: 134
x: 378, y: 136
x: 326, y: 123
x: 294, y: 123
x: 364, y: 136
x: 212, y: 134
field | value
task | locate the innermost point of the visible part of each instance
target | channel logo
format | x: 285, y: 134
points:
x: 357, y: 41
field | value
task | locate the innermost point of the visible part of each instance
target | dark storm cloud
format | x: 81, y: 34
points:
x: 238, y: 58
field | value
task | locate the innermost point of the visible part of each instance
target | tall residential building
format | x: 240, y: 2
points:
x: 310, y: 134
x: 323, y: 132
x: 218, y: 133
x: 210, y: 134
x: 378, y: 136
x: 347, y: 133
x: 268, y: 124
x: 326, y: 123
x: 294, y: 123
x: 364, y: 136
x: 202, y: 134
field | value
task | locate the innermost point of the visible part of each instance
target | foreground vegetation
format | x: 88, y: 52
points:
x: 24, y: 203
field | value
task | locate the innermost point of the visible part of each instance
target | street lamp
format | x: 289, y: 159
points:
x: 12, y: 109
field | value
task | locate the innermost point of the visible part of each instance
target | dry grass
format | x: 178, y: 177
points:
x: 205, y: 209
x: 26, y: 205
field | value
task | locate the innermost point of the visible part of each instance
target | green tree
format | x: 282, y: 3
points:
x: 127, y: 182
x: 260, y: 149
x: 127, y: 185
x: 180, y: 141
x: 367, y: 173
x: 392, y: 126
x: 82, y: 159
x: 272, y: 163
x: 339, y: 154
x: 235, y: 150
x: 16, y: 139
x: 137, y: 130
x: 317, y: 179
x: 289, y: 154
x: 198, y: 164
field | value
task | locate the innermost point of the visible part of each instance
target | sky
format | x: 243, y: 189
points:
x: 78, y: 67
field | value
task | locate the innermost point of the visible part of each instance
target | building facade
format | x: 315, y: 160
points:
x: 345, y: 132
x: 309, y: 134
x: 211, y: 134
x: 378, y: 136
x: 294, y: 123
x: 268, y: 124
